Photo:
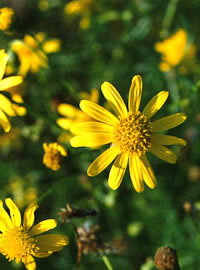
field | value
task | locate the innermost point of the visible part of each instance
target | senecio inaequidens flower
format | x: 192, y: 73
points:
x: 20, y: 241
x: 130, y: 133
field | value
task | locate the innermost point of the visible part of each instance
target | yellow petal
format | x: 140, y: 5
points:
x: 68, y: 110
x: 155, y: 104
x: 48, y: 244
x: 6, y: 105
x: 103, y: 161
x: 148, y: 174
x: 135, y: 94
x: 135, y: 169
x: 29, y: 216
x: 15, y: 214
x: 64, y: 123
x: 98, y: 113
x: 117, y: 171
x: 167, y: 139
x: 163, y: 153
x: 5, y: 221
x: 29, y: 262
x: 91, y: 139
x: 91, y: 127
x: 43, y: 226
x: 10, y: 82
x: 3, y: 62
x: 168, y: 122
x: 4, y: 122
x: 114, y: 98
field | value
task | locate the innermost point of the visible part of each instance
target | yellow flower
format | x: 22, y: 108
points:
x: 5, y: 17
x: 31, y: 57
x: 73, y: 115
x: 130, y: 133
x: 82, y: 8
x: 21, y: 241
x: 173, y: 50
x: 6, y: 107
x: 53, y: 155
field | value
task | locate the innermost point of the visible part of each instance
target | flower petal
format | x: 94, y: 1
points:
x: 163, y: 153
x: 29, y: 262
x: 4, y: 122
x: 155, y: 104
x: 6, y: 105
x: 64, y: 123
x: 3, y: 62
x: 10, y: 82
x: 135, y: 169
x: 98, y: 113
x: 5, y: 221
x: 135, y: 94
x: 43, y: 226
x: 168, y: 122
x: 114, y: 98
x: 47, y: 244
x: 167, y: 139
x: 148, y: 174
x: 15, y: 214
x: 91, y: 139
x: 91, y: 127
x: 29, y: 216
x: 117, y: 171
x: 67, y: 110
x: 103, y: 161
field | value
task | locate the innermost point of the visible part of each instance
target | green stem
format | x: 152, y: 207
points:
x: 169, y: 15
x: 107, y: 262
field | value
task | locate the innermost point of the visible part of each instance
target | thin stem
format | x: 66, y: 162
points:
x: 107, y: 262
x: 169, y: 15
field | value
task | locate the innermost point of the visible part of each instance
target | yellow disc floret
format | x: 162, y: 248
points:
x: 133, y: 134
x: 16, y: 243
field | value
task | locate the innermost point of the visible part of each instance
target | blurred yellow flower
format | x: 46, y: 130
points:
x: 81, y: 8
x: 53, y: 155
x: 6, y: 107
x: 21, y: 192
x: 73, y: 115
x: 174, y: 49
x: 32, y: 52
x: 5, y: 17
x: 21, y: 241
x: 130, y: 133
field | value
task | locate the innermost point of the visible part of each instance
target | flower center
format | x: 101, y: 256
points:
x: 15, y: 244
x: 133, y: 133
x: 52, y: 159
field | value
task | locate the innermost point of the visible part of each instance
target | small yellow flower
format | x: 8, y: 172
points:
x: 81, y: 8
x: 131, y: 134
x: 6, y: 15
x: 29, y: 52
x: 73, y: 115
x: 6, y: 107
x: 21, y: 241
x: 173, y: 49
x: 53, y: 155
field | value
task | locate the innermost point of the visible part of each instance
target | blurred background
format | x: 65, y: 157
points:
x: 65, y: 50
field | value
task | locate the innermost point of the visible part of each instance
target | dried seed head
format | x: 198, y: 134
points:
x: 166, y: 259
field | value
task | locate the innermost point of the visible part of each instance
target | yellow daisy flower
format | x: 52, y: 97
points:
x: 53, y: 155
x: 5, y: 17
x: 130, y: 133
x: 29, y: 52
x: 174, y: 49
x: 20, y: 241
x: 6, y: 107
